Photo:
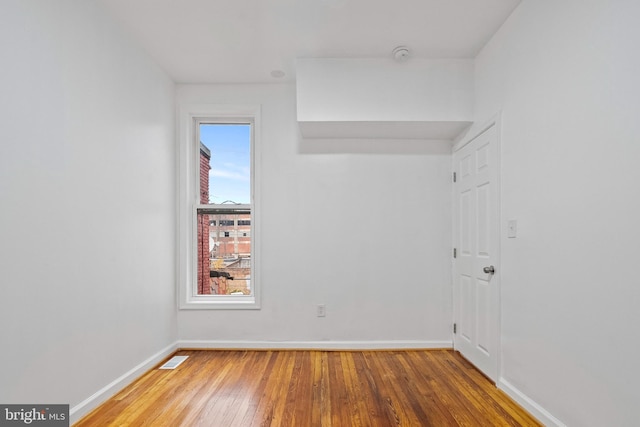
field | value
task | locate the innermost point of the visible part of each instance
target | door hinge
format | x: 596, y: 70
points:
x: 455, y: 252
x: 455, y: 328
x: 455, y: 177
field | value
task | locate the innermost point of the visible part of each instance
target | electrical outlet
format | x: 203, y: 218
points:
x: 512, y: 228
x: 321, y: 310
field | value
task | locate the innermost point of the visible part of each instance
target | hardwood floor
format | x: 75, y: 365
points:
x: 312, y: 388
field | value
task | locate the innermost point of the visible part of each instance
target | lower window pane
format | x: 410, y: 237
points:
x: 224, y: 254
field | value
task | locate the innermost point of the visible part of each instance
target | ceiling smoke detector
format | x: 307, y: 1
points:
x: 401, y: 53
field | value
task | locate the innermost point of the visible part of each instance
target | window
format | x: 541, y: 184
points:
x: 218, y: 261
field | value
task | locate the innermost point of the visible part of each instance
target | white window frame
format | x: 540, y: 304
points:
x: 190, y: 116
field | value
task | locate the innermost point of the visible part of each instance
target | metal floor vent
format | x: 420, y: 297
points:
x: 173, y: 362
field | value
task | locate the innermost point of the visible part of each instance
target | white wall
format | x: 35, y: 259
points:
x: 565, y: 74
x: 375, y: 89
x: 87, y: 195
x: 361, y: 226
x: 381, y: 98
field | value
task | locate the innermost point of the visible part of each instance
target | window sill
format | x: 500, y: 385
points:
x: 220, y: 302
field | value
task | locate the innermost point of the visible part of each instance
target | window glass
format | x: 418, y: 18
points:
x: 224, y: 243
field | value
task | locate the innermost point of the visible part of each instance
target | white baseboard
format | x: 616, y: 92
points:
x: 118, y: 384
x: 315, y: 345
x: 529, y: 404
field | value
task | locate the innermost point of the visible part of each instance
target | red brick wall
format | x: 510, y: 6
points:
x: 204, y: 286
x: 204, y: 177
x: 236, y: 244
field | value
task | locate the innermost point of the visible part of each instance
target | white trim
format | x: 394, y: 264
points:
x: 529, y: 404
x: 315, y: 345
x: 477, y: 131
x: 188, y: 198
x: 99, y: 397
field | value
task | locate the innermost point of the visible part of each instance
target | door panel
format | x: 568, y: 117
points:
x: 476, y: 235
x: 466, y: 305
x: 484, y: 217
x: 465, y: 223
x: 484, y: 316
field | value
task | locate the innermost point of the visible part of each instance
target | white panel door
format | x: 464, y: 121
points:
x: 476, y: 239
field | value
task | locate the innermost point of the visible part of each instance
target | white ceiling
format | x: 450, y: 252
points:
x: 228, y: 41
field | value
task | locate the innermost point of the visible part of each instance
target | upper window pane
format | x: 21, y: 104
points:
x: 228, y: 147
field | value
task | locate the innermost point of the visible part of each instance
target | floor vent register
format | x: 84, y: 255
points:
x: 174, y: 362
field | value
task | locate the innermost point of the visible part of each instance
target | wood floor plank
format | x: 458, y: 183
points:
x: 471, y: 385
x: 248, y: 405
x: 400, y: 400
x: 312, y: 388
x: 318, y: 393
x: 325, y: 402
x: 452, y: 393
x: 267, y: 361
x: 467, y: 392
x: 370, y: 392
x: 420, y: 372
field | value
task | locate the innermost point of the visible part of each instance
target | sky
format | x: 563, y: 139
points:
x: 230, y: 174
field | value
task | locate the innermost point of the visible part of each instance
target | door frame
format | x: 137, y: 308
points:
x: 471, y: 134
